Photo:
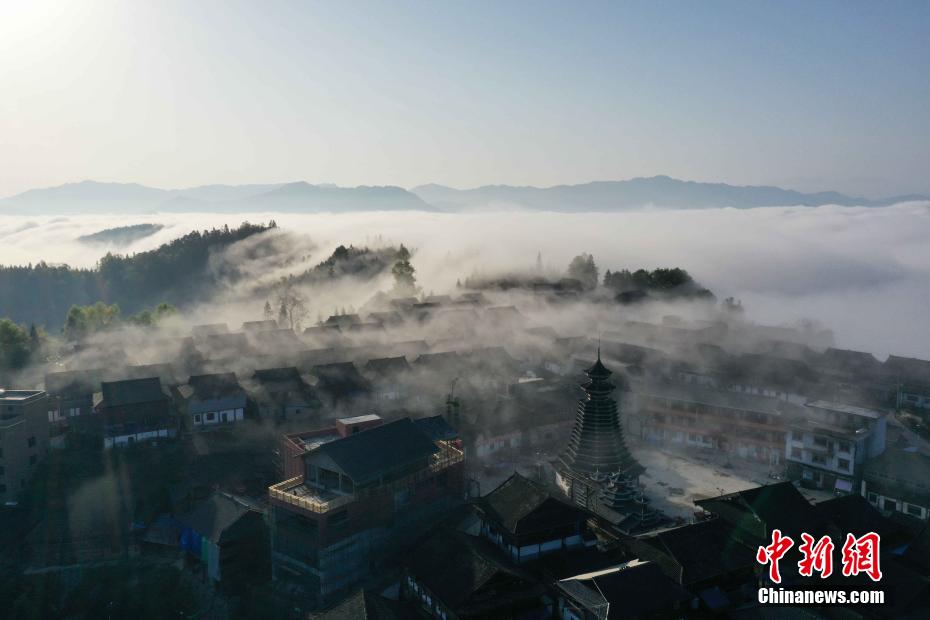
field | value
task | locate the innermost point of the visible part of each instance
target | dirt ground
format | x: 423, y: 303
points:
x: 673, y: 478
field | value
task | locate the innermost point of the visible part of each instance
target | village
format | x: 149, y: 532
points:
x: 383, y: 463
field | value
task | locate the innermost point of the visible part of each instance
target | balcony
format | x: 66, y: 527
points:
x: 294, y: 492
x: 320, y: 501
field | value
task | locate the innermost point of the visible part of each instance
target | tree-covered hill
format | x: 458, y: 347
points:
x: 177, y: 273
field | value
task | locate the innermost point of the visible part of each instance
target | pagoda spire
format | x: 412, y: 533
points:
x: 596, y: 443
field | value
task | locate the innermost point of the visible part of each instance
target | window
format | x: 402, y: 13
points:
x: 339, y: 518
x: 211, y: 416
x: 33, y: 459
x: 197, y: 418
x: 820, y: 442
x: 328, y: 479
x: 873, y: 497
x: 818, y: 459
x: 914, y: 510
x: 796, y: 453
x: 32, y: 442
x: 843, y: 464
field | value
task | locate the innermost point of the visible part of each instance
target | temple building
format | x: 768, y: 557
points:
x: 596, y: 469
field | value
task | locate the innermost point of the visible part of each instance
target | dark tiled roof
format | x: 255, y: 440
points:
x: 908, y: 368
x: 132, y: 392
x: 439, y: 299
x: 389, y: 318
x: 71, y: 382
x: 287, y: 374
x: 853, y: 513
x: 521, y: 506
x: 315, y: 357
x: 455, y: 566
x: 642, y: 590
x: 343, y: 319
x: 260, y: 326
x: 232, y: 341
x: 388, y: 365
x: 491, y: 358
x: 219, y: 385
x: 438, y: 361
x: 365, y: 606
x: 704, y: 550
x: 762, y: 509
x: 212, y: 328
x: 410, y: 347
x: 340, y: 378
x: 907, y: 466
x: 162, y: 371
x: 436, y: 428
x: 362, y: 328
x: 854, y: 361
x: 322, y: 330
x: 214, y: 515
x: 379, y: 451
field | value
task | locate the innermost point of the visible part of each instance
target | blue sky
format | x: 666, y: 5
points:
x: 808, y: 95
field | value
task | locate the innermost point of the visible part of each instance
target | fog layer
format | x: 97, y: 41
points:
x: 864, y: 272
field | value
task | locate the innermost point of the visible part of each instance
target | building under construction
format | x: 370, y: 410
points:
x: 359, y: 496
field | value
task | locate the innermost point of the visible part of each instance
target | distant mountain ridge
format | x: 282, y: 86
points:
x: 300, y: 197
x: 658, y: 191
x: 132, y: 198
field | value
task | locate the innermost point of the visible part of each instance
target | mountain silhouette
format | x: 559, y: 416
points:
x: 659, y: 192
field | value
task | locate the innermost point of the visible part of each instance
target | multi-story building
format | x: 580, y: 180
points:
x: 24, y: 438
x: 526, y: 522
x: 359, y: 496
x: 282, y: 395
x: 911, y: 378
x: 744, y: 425
x: 898, y: 481
x: 135, y: 410
x: 212, y: 401
x: 71, y: 394
x: 389, y: 377
x: 828, y: 446
x: 293, y: 446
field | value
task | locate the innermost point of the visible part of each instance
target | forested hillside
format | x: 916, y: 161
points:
x: 175, y: 273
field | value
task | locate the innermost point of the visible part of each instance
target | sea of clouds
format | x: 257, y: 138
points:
x: 862, y: 272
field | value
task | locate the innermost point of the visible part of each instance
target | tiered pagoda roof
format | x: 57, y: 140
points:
x: 596, y: 446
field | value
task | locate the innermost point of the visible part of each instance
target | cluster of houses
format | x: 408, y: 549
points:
x: 373, y: 418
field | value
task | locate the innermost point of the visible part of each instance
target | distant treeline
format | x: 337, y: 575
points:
x: 122, y: 235
x: 582, y: 276
x: 175, y: 273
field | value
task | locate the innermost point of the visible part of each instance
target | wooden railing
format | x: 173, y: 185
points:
x: 447, y: 456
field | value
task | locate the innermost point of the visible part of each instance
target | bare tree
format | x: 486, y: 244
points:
x: 292, y: 306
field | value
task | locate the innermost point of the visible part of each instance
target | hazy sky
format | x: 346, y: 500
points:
x: 808, y: 95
